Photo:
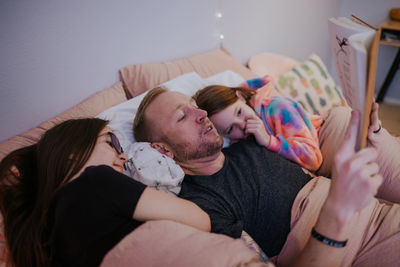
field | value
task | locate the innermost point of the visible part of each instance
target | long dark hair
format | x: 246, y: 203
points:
x: 215, y: 98
x: 28, y: 179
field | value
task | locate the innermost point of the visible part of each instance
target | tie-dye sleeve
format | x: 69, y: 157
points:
x: 292, y: 133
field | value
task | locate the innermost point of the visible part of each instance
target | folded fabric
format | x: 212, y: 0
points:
x: 154, y: 169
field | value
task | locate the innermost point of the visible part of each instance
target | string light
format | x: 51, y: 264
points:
x: 218, y: 15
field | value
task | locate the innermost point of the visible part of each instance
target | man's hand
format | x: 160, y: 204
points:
x: 374, y: 126
x: 255, y: 126
x: 355, y: 181
x: 355, y: 178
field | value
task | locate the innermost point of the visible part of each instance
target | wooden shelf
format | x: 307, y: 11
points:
x: 389, y: 43
x: 390, y: 25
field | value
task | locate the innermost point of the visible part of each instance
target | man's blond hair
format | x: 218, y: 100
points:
x: 142, y: 130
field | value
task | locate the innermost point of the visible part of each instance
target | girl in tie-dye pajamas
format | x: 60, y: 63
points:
x: 278, y: 123
x: 281, y: 125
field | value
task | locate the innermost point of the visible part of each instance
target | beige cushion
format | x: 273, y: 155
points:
x: 271, y: 64
x: 310, y: 84
x: 139, y: 78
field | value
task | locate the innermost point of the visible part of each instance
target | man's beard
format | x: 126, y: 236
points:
x: 186, y: 151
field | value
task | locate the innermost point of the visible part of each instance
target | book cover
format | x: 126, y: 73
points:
x: 352, y: 43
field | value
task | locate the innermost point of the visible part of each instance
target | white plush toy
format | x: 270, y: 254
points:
x: 154, y: 169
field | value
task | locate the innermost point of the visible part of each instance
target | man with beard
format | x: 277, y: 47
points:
x: 246, y: 187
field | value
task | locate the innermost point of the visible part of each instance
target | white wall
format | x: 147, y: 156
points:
x: 53, y: 54
x: 56, y: 53
x: 293, y: 28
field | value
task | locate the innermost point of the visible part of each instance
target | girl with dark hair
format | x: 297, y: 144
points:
x: 65, y: 200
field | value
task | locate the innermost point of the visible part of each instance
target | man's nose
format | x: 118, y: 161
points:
x: 200, y: 115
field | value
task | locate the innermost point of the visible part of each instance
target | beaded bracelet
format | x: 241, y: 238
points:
x: 328, y: 241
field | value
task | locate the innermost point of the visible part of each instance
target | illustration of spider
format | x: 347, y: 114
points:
x: 342, y: 42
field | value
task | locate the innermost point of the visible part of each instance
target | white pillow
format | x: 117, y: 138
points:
x: 187, y: 84
x: 227, y: 78
x: 121, y: 119
x: 121, y: 122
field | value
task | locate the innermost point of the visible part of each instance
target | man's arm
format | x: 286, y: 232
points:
x: 354, y: 183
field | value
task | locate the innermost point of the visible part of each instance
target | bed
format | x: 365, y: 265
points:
x: 307, y: 81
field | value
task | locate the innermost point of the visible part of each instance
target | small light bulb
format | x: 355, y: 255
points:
x: 221, y: 36
x: 218, y: 15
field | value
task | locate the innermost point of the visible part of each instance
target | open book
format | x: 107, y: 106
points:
x: 355, y: 46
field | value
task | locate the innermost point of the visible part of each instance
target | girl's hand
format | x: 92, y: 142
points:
x: 255, y: 126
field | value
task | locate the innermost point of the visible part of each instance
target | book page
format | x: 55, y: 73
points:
x: 350, y: 44
x: 359, y: 48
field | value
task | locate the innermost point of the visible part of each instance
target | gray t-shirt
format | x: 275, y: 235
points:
x: 254, y: 191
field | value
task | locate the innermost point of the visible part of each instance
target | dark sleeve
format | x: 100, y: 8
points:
x: 120, y: 191
x: 222, y: 221
x: 225, y: 225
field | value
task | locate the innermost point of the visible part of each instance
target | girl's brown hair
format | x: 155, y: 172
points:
x: 215, y: 98
x: 28, y: 179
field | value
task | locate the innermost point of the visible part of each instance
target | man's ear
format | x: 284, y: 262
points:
x: 240, y: 95
x: 163, y: 149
